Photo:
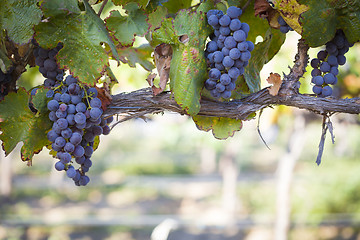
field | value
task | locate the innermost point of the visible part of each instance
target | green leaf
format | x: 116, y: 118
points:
x: 157, y: 17
x: 140, y: 3
x: 324, y: 17
x: 20, y: 124
x: 125, y: 28
x: 81, y: 33
x: 262, y: 53
x: 188, y: 68
x: 140, y: 55
x: 19, y: 18
x: 174, y: 6
x: 221, y: 127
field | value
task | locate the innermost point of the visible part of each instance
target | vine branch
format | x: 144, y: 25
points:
x: 142, y: 102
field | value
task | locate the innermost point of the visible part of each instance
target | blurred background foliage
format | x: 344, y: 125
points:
x: 162, y: 171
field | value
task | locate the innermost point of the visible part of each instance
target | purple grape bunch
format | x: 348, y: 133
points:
x: 48, y: 67
x: 284, y: 27
x: 325, y: 65
x: 76, y: 113
x: 228, y: 52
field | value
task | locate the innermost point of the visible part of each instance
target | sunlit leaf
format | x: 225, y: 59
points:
x: 81, y: 33
x: 20, y: 124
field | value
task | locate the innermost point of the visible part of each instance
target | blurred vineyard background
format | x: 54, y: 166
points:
x: 161, y: 178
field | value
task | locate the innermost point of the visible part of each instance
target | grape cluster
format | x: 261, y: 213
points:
x: 284, y: 27
x: 5, y: 81
x: 46, y: 61
x: 76, y: 113
x: 228, y: 52
x: 325, y: 66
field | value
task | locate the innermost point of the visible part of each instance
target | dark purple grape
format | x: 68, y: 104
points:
x: 224, y: 80
x: 245, y: 56
x: 225, y: 51
x: 53, y: 105
x: 65, y: 98
x: 214, y: 73
x: 317, y: 89
x: 233, y: 12
x: 66, y: 133
x: 315, y: 72
x: 341, y: 59
x: 325, y: 67
x: 79, y: 151
x: 326, y: 91
x: 235, y: 53
x: 211, y: 46
x: 210, y: 84
x: 219, y: 66
x: 69, y: 147
x: 80, y: 107
x: 52, y: 135
x: 318, y: 80
x: 95, y: 113
x: 315, y: 62
x: 50, y: 65
x: 225, y: 31
x: 332, y: 60
x: 60, y: 141
x: 71, y: 172
x: 322, y: 55
x: 239, y: 36
x: 235, y: 25
x: 75, y: 138
x: 234, y: 72
x: 218, y: 57
x: 226, y: 94
x: 213, y: 20
x: 224, y: 21
x: 59, y: 166
x: 329, y: 78
x: 228, y: 62
x: 80, y: 118
x: 243, y: 46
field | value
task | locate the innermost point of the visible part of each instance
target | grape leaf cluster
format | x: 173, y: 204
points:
x: 325, y: 65
x: 284, y: 27
x: 228, y: 52
x: 76, y: 113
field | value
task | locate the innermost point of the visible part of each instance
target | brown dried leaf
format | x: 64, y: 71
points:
x: 264, y: 10
x: 162, y: 55
x: 104, y: 95
x: 276, y: 81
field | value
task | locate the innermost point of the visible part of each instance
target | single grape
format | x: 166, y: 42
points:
x: 326, y: 91
x: 50, y: 65
x: 65, y: 157
x: 75, y: 99
x: 87, y: 163
x: 325, y: 67
x: 220, y: 87
x: 322, y: 55
x: 214, y: 73
x: 251, y: 45
x: 71, y: 172
x: 80, y: 107
x: 243, y: 46
x: 225, y: 21
x: 52, y: 116
x: 245, y: 27
x: 225, y: 31
x: 219, y: 66
x: 239, y: 36
x: 233, y: 12
x: 245, y: 56
x: 210, y: 84
x: 53, y: 105
x: 334, y: 71
x: 235, y: 25
x: 69, y: 147
x: 60, y: 114
x: 106, y: 128
x: 84, y: 180
x: 234, y: 72
x: 95, y: 113
x: 318, y: 80
x: 329, y: 78
x: 332, y: 60
x: 226, y: 94
x: 230, y: 42
x: 71, y: 109
x: 218, y: 57
x: 211, y: 46
x: 66, y: 133
x: 213, y: 20
x: 80, y: 118
x: 284, y: 29
x: 228, y: 62
x: 59, y: 166
x: 317, y: 89
x: 225, y: 79
x: 341, y: 59
x: 63, y: 107
x: 60, y: 141
x: 62, y: 123
x: 225, y: 51
x: 315, y: 62
x: 78, y: 151
x: 71, y: 119
x: 52, y: 135
x: 315, y: 72
x: 80, y: 160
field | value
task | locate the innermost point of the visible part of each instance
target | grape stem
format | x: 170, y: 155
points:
x: 102, y: 7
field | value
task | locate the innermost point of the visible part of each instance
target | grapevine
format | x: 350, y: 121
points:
x: 208, y: 57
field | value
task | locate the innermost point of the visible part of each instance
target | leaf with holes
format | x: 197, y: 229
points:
x: 221, y: 127
x: 81, y: 33
x: 125, y: 28
x: 20, y: 124
x: 188, y: 70
x: 19, y: 19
